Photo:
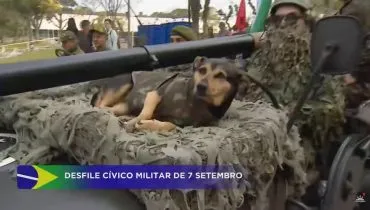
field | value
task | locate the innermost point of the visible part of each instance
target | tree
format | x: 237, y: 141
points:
x: 212, y: 14
x: 205, y: 15
x: 176, y: 13
x: 88, y: 4
x: 233, y: 9
x: 251, y: 5
x: 11, y: 22
x: 65, y: 6
x: 83, y: 10
x: 34, y: 11
x: 112, y: 6
x: 195, y: 8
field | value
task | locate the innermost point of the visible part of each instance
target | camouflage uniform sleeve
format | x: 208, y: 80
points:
x: 322, y: 116
x: 79, y: 51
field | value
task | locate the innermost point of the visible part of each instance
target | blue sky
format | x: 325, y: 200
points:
x: 150, y: 6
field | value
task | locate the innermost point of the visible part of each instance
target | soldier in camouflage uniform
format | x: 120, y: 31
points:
x: 69, y: 45
x: 181, y: 34
x: 99, y: 37
x: 282, y: 65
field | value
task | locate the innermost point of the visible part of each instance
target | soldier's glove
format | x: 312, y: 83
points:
x: 60, y: 53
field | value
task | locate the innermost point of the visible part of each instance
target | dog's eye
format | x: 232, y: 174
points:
x: 202, y: 70
x: 220, y: 76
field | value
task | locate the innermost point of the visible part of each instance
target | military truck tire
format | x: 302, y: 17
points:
x: 365, y: 189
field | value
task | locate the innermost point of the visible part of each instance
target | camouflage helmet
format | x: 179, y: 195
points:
x: 303, y: 4
x: 99, y: 28
x: 67, y: 36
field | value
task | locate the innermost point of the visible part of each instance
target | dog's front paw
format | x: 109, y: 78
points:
x: 130, y: 125
x: 155, y: 126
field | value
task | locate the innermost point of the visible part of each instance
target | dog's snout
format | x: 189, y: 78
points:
x: 201, y: 89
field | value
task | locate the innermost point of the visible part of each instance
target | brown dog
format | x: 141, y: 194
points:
x: 172, y: 99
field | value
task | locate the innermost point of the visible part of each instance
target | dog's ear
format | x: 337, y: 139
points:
x: 198, y: 61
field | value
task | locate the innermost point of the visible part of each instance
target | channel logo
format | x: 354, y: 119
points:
x: 33, y: 177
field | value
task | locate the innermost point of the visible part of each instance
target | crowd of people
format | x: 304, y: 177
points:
x: 91, y: 38
x: 95, y: 37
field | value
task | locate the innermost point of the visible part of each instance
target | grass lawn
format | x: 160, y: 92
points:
x: 36, y: 55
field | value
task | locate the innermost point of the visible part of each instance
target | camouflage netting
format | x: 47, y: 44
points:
x: 282, y: 64
x: 251, y: 137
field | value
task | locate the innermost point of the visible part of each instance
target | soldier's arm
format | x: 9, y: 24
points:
x: 323, y: 114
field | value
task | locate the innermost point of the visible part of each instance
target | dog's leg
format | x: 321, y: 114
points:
x: 155, y: 125
x: 119, y: 109
x: 111, y: 97
x: 151, y: 102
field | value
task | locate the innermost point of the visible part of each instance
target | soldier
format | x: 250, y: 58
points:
x: 282, y: 65
x: 99, y: 37
x: 358, y: 83
x: 69, y: 45
x: 181, y: 34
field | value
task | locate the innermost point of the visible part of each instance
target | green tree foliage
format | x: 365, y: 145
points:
x: 34, y: 11
x: 11, y: 22
x: 83, y: 10
x: 176, y: 13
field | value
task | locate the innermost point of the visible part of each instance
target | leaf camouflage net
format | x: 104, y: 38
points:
x: 282, y: 64
x: 251, y: 137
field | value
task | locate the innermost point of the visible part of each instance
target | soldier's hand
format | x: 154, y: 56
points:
x: 59, y: 52
x: 349, y: 79
x: 258, y: 39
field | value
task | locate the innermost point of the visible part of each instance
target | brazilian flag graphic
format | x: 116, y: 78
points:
x: 33, y: 177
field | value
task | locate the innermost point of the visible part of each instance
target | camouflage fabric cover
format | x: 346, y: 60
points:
x: 282, y: 65
x: 60, y: 121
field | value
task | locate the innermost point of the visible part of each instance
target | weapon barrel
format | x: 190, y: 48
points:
x: 36, y: 75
